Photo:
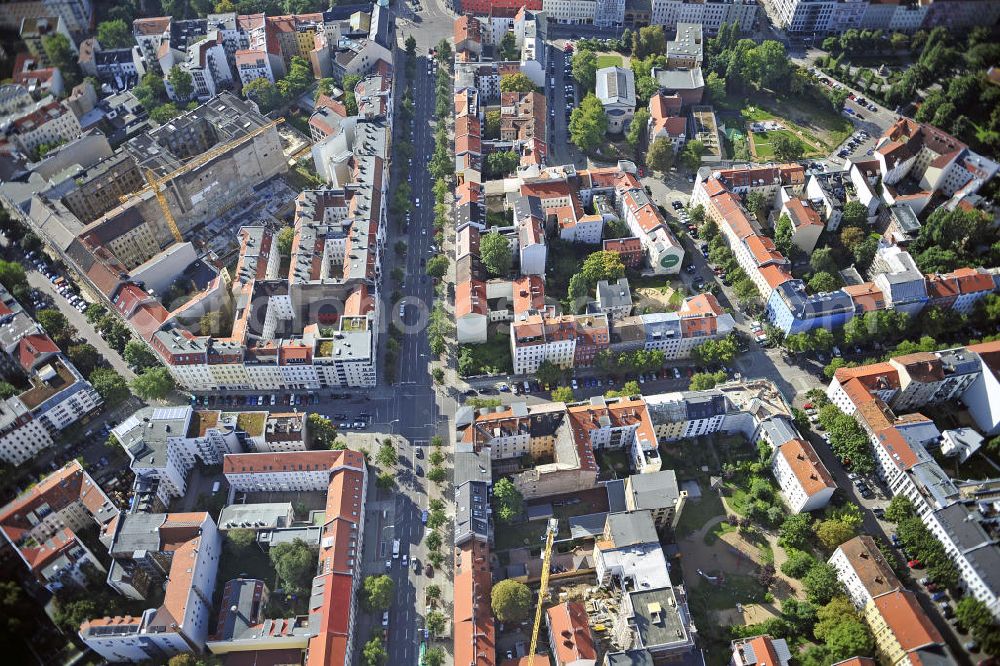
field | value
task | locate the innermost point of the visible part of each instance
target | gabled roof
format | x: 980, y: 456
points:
x: 909, y: 624
x: 34, y: 348
x: 809, y: 470
x: 569, y: 627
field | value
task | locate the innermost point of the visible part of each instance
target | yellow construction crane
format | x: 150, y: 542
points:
x: 543, y: 588
x: 156, y: 184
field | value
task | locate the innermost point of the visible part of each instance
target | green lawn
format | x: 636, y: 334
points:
x: 817, y: 123
x: 696, y: 513
x: 765, y: 153
x: 520, y: 535
x: 713, y: 535
x: 616, y: 461
x: 610, y: 60
x: 737, y: 499
x: 737, y: 588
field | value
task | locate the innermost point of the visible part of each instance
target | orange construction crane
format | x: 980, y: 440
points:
x: 156, y: 184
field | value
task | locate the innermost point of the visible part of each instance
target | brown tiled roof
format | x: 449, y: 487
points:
x: 474, y: 633
x: 809, y: 470
x: 570, y: 629
x: 870, y: 565
x: 907, y: 621
x: 922, y: 367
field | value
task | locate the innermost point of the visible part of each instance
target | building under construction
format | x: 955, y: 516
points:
x: 205, y: 162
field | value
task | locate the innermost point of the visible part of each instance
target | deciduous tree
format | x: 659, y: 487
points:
x: 508, y: 503
x: 495, y: 252
x: 584, y: 64
x: 660, y: 156
x: 588, y: 123
x: 295, y: 564
x: 510, y: 600
x: 181, y: 83
x: 821, y: 583
x: 378, y: 592
x: 637, y: 127
x: 263, y: 93
x: 153, y: 384
x: 114, y: 34
x: 517, y: 82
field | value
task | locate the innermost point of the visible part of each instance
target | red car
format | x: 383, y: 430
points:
x: 914, y: 564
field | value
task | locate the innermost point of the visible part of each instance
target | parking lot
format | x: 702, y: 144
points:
x: 341, y: 408
x: 857, y: 146
x: 59, y: 283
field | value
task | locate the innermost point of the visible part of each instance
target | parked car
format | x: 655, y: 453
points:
x: 914, y: 564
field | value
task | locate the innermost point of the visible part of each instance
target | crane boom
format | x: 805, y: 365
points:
x: 155, y: 184
x: 164, y: 205
x: 543, y: 588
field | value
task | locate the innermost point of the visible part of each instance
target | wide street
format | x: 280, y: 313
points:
x: 408, y: 410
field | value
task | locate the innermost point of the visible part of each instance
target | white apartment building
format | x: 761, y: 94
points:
x: 818, y: 17
x: 582, y: 12
x: 181, y: 624
x: 253, y: 64
x: 711, y: 14
x: 206, y: 62
x: 40, y: 526
x: 806, y: 484
x: 536, y: 338
x: 50, y: 124
x: 21, y: 435
x: 863, y: 570
x: 609, y: 13
x: 163, y: 445
x: 301, y: 471
x: 76, y: 14
x: 931, y: 159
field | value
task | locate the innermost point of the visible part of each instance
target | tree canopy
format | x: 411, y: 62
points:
x: 660, y: 155
x: 508, y: 503
x: 588, y: 123
x: 181, y: 83
x: 511, y: 600
x: 378, y: 592
x: 584, y: 65
x: 295, y: 564
x: 495, y: 252
x: 516, y: 82
x: 153, y: 383
x: 114, y: 34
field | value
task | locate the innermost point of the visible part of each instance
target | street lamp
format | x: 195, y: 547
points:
x: 390, y: 425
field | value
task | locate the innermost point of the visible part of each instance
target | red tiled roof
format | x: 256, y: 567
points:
x: 474, y: 633
x: 809, y: 470
x: 902, y: 613
x: 569, y: 627
x: 34, y: 347
x: 775, y: 275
